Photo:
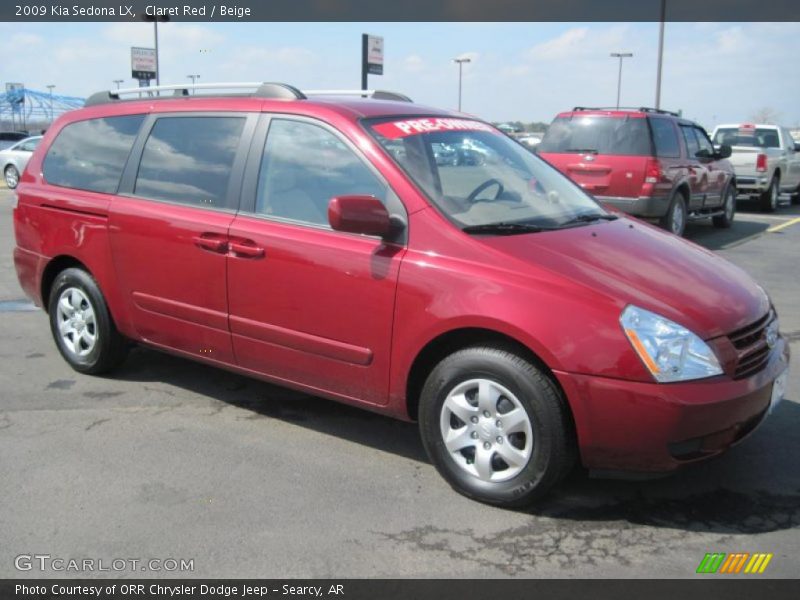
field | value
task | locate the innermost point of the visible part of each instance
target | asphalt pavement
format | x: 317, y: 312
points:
x: 168, y: 459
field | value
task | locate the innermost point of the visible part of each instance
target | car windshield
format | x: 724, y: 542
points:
x: 483, y: 181
x: 619, y: 136
x: 747, y: 136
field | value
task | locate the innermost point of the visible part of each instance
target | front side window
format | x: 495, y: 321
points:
x: 303, y: 167
x: 691, y: 141
x: 703, y: 142
x: 479, y: 177
x: 90, y: 155
x: 189, y: 160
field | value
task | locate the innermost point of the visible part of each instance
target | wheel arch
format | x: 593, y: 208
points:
x: 55, y: 266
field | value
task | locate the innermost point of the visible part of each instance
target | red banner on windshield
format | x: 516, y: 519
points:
x: 400, y: 129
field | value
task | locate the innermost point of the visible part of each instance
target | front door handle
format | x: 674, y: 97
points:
x: 245, y: 249
x: 211, y: 241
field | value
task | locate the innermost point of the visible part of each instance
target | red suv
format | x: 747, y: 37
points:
x: 647, y: 162
x: 315, y: 241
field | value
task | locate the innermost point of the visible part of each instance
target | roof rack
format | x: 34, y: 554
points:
x: 275, y: 91
x: 636, y: 108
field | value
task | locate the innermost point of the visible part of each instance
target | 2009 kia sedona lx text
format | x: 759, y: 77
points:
x: 315, y: 241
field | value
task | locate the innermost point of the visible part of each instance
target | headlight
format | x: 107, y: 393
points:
x: 669, y: 351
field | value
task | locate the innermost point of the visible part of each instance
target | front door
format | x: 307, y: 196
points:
x: 169, y: 228
x: 310, y: 305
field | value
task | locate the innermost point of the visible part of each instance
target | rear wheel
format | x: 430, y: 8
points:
x: 675, y: 219
x: 725, y: 220
x: 81, y: 325
x: 11, y: 176
x: 769, y: 199
x: 495, y: 427
x: 796, y: 195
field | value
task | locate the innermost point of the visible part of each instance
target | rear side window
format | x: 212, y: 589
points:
x: 189, y: 160
x: 665, y: 138
x: 691, y: 141
x: 303, y: 167
x: 90, y: 155
x: 624, y: 136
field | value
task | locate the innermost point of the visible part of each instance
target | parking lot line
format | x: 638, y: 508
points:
x: 784, y: 225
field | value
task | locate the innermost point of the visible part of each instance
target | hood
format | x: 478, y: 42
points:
x: 635, y: 263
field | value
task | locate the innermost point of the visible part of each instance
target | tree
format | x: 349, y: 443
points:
x: 767, y: 115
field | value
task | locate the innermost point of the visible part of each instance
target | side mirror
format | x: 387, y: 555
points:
x: 359, y: 214
x: 724, y: 151
x: 797, y: 146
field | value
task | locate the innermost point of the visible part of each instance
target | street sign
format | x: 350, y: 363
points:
x: 374, y: 54
x: 143, y: 63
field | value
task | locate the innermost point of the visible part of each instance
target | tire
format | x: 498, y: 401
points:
x: 11, y: 176
x: 796, y: 195
x: 81, y: 325
x: 769, y: 199
x: 725, y: 220
x: 537, y: 441
x: 675, y: 219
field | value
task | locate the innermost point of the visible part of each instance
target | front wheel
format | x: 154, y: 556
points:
x: 725, y: 220
x: 769, y: 199
x: 495, y: 427
x: 11, y: 176
x: 81, y: 324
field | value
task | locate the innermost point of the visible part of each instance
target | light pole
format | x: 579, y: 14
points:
x: 50, y: 87
x: 660, y: 52
x: 193, y: 78
x: 460, y: 62
x: 155, y: 20
x: 118, y: 81
x: 620, y: 56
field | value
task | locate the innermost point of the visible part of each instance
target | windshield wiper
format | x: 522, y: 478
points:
x: 504, y: 228
x: 582, y: 150
x: 588, y: 218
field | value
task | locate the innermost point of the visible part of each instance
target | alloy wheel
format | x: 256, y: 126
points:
x: 77, y: 324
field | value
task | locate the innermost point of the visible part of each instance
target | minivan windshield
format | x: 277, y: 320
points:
x: 482, y: 180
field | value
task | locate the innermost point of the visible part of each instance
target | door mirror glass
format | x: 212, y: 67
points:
x: 359, y: 214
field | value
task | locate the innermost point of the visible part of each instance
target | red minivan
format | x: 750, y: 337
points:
x: 314, y: 241
x: 647, y: 162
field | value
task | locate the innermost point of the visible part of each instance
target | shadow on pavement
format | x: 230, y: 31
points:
x: 731, y: 494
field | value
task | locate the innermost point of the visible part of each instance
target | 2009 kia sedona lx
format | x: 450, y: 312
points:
x: 315, y: 241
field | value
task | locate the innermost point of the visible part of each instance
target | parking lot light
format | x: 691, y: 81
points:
x: 460, y: 62
x: 620, y: 56
x: 155, y: 19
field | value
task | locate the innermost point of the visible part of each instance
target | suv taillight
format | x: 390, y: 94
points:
x: 652, y: 171
x: 761, y: 163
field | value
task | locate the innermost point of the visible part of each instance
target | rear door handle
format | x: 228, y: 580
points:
x: 245, y: 249
x: 211, y: 241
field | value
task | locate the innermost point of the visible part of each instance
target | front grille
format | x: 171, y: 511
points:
x: 751, y: 343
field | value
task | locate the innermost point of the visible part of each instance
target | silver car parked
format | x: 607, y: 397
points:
x: 14, y: 159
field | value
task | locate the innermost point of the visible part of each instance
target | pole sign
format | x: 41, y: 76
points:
x: 15, y: 92
x: 143, y: 63
x: 374, y: 54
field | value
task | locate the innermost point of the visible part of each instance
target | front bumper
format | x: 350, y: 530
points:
x: 650, y: 427
x: 644, y: 206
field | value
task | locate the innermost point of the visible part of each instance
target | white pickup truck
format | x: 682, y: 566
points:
x: 766, y: 160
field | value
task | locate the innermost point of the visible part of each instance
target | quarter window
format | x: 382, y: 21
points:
x: 90, y: 155
x: 665, y: 138
x: 303, y: 167
x: 189, y: 160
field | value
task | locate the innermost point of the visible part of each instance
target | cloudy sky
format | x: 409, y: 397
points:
x: 519, y: 71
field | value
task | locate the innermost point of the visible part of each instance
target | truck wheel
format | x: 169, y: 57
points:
x: 81, y: 325
x: 675, y: 219
x: 725, y: 220
x: 769, y: 199
x: 495, y: 427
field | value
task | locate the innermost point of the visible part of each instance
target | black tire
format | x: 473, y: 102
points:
x: 109, y: 347
x: 551, y: 453
x: 725, y: 220
x: 671, y: 221
x: 796, y: 195
x: 11, y: 176
x: 769, y: 199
